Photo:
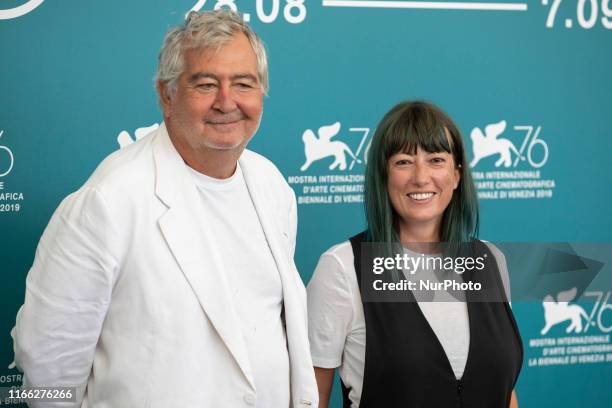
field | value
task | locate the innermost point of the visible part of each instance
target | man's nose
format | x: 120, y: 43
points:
x: 225, y: 100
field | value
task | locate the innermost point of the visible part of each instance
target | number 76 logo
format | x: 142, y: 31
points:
x: 19, y: 11
x: 5, y: 169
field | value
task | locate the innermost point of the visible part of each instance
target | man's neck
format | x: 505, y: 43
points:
x: 219, y: 164
x: 216, y: 163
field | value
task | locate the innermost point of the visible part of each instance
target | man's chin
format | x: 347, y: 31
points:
x: 225, y: 146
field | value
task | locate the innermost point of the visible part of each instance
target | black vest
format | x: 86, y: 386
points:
x: 406, y: 366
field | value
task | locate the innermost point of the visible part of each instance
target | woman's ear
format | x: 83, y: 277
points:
x: 458, y: 174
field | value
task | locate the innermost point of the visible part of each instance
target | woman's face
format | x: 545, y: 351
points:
x: 421, y: 186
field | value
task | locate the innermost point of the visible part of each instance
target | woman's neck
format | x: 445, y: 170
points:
x: 419, y: 232
x: 421, y: 238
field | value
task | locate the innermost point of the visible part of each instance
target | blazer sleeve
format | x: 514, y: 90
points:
x: 68, y: 291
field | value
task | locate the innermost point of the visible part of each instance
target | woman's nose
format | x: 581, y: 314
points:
x: 421, y: 175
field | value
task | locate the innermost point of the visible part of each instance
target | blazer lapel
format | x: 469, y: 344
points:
x: 194, y: 248
x: 302, y: 375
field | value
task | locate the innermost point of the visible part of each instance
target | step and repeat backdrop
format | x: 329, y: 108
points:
x: 528, y: 83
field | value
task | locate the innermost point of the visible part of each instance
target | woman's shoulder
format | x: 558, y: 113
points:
x: 335, y: 269
x: 497, y: 253
x: 342, y: 252
x: 500, y: 259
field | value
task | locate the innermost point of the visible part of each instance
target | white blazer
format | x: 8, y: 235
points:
x: 126, y: 300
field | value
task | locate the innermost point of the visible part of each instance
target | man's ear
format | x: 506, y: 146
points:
x: 164, y: 97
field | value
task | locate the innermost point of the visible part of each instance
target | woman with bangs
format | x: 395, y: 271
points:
x: 427, y: 352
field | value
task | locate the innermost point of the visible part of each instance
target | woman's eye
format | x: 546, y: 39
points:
x: 438, y: 160
x: 403, y: 162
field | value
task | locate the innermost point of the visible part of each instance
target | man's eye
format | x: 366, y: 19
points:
x: 206, y: 86
x: 244, y: 85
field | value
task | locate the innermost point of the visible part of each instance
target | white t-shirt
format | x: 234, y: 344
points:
x: 336, y: 323
x: 254, y: 282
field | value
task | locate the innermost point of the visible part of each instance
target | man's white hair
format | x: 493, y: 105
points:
x: 202, y: 31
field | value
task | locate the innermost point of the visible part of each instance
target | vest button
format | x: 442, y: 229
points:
x: 249, y: 399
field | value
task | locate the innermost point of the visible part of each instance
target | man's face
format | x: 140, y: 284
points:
x: 218, y: 101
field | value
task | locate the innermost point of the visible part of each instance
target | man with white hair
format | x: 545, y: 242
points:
x: 167, y: 280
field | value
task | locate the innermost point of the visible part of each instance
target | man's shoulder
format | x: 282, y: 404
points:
x: 130, y: 166
x: 257, y: 162
x: 267, y: 175
x: 261, y: 173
